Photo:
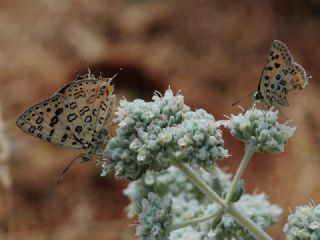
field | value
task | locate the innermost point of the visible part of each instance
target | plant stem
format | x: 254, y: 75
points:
x: 249, y: 150
x: 232, y: 210
x: 197, y: 220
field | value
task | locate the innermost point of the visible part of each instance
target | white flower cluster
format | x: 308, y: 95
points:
x: 304, y: 223
x: 155, y: 219
x: 255, y: 207
x: 150, y: 133
x: 172, y: 182
x: 258, y: 208
x: 188, y: 203
x: 262, y: 128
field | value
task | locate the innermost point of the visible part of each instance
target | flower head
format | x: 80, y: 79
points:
x: 152, y: 133
x: 256, y: 207
x: 262, y: 128
x: 155, y: 219
x: 172, y: 182
x: 199, y: 139
x: 304, y: 223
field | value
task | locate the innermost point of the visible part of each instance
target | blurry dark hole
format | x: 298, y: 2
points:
x: 158, y: 28
x: 297, y: 9
x: 131, y: 82
x: 217, y: 85
x: 34, y: 197
x: 112, y: 32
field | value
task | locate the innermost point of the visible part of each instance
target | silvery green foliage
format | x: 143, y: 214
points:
x: 172, y: 182
x: 262, y: 128
x: 256, y: 207
x: 150, y: 133
x: 184, y: 210
x: 199, y: 139
x: 188, y: 233
x: 304, y: 223
x: 155, y: 219
x: 188, y: 202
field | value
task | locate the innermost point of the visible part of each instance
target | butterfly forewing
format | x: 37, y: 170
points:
x: 46, y: 120
x: 280, y: 76
x: 77, y: 116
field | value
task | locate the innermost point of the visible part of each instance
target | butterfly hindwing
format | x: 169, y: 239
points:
x: 297, y: 79
x: 105, y: 106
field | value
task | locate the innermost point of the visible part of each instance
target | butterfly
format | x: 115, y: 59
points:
x: 77, y: 116
x: 280, y: 76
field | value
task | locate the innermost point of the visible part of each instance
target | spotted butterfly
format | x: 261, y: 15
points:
x: 77, y: 116
x: 280, y: 76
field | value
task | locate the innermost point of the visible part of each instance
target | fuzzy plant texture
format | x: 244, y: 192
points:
x: 171, y: 182
x: 152, y: 133
x: 304, y: 223
x: 261, y: 127
x: 188, y: 202
x: 153, y: 136
x: 155, y: 218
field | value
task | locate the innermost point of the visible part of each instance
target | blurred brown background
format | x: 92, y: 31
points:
x: 213, y: 51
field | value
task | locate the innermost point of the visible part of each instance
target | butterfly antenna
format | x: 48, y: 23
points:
x: 65, y: 170
x: 235, y: 103
x: 116, y: 74
x: 89, y: 71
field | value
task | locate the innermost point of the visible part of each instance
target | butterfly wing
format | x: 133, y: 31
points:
x: 89, y: 105
x: 105, y: 106
x: 296, y: 79
x: 46, y: 120
x: 281, y: 75
x: 278, y: 59
x: 77, y: 116
x: 102, y: 127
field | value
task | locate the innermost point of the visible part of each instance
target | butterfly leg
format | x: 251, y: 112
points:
x: 65, y: 170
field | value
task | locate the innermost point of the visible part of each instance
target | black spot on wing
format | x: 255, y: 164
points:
x: 79, y: 94
x: 51, y: 132
x: 88, y: 119
x: 39, y: 120
x: 54, y: 121
x: 78, y: 129
x: 59, y: 111
x: 84, y: 110
x: 71, y: 117
x: 73, y: 105
x: 64, y: 137
x: 32, y: 129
